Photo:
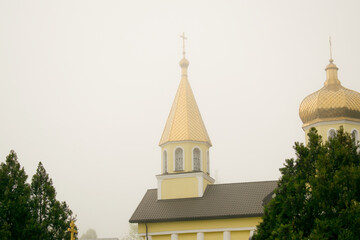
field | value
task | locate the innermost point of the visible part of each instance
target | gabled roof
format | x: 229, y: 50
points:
x: 184, y: 122
x: 234, y: 200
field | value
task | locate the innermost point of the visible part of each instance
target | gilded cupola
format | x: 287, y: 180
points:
x: 332, y: 102
x: 184, y: 122
x: 185, y: 143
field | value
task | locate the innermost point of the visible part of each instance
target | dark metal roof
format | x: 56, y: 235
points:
x: 219, y: 201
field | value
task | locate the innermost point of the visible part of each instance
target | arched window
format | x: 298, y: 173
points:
x: 208, y: 162
x: 331, y: 133
x: 196, y: 160
x: 355, y: 136
x: 179, y: 159
x: 165, y: 168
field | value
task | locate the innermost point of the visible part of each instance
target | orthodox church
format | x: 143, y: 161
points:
x: 187, y: 205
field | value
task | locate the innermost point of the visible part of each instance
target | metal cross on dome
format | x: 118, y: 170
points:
x: 183, y: 38
x: 331, y: 59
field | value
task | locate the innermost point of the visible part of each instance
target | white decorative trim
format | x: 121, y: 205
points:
x: 356, y: 135
x: 200, y: 186
x: 186, y: 175
x: 354, y: 129
x: 227, y: 235
x: 159, y: 188
x: 330, y: 122
x: 208, y: 161
x: 187, y: 141
x: 192, y: 158
x: 183, y: 152
x: 200, y: 236
x: 201, y: 231
x: 165, y: 170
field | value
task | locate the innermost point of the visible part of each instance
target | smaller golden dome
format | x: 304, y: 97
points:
x: 332, y: 102
x: 184, y: 63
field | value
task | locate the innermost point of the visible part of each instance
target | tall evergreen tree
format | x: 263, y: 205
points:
x: 14, y: 198
x: 51, y: 217
x: 318, y: 194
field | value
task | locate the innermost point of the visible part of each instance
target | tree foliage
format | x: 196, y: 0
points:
x: 90, y: 234
x: 14, y: 200
x: 318, y: 194
x: 51, y: 217
x: 30, y: 211
x: 132, y: 235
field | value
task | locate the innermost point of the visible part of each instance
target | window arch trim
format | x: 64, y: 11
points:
x: 200, y: 158
x: 183, y: 159
x: 330, y: 131
x: 165, y: 161
x: 208, y: 162
x: 356, y: 135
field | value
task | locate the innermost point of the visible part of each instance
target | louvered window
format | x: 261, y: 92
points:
x: 331, y: 133
x: 179, y: 159
x: 165, y: 162
x: 355, y: 136
x: 196, y: 159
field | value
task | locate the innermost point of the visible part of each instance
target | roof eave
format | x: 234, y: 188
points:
x: 195, y: 218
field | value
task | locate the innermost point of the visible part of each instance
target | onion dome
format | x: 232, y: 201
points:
x: 332, y: 102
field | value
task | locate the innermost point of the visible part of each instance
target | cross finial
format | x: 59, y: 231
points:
x: 331, y: 59
x: 72, y: 230
x: 183, y: 38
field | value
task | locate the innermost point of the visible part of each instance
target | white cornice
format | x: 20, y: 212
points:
x: 187, y: 141
x: 329, y: 123
x: 199, y: 231
x: 185, y: 175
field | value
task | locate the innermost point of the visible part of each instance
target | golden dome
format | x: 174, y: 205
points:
x: 332, y: 102
x: 184, y: 122
x: 184, y: 63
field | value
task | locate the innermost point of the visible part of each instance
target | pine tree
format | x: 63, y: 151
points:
x: 51, y: 218
x: 14, y: 198
x: 318, y: 194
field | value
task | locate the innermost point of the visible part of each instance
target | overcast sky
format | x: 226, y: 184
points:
x: 86, y: 87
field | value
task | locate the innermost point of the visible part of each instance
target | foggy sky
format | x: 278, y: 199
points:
x: 86, y: 87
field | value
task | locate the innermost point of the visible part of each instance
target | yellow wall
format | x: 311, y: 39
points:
x: 161, y: 237
x: 323, y: 129
x: 200, y: 224
x: 188, y: 148
x: 236, y: 235
x: 187, y: 236
x: 240, y: 235
x: 206, y: 182
x: 179, y: 188
x: 214, y: 236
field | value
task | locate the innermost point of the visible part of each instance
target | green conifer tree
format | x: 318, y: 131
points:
x: 14, y: 200
x: 51, y: 217
x: 318, y: 194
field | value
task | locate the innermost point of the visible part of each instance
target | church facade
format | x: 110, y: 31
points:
x: 187, y: 205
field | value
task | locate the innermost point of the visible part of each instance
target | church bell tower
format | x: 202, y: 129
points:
x: 184, y: 145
